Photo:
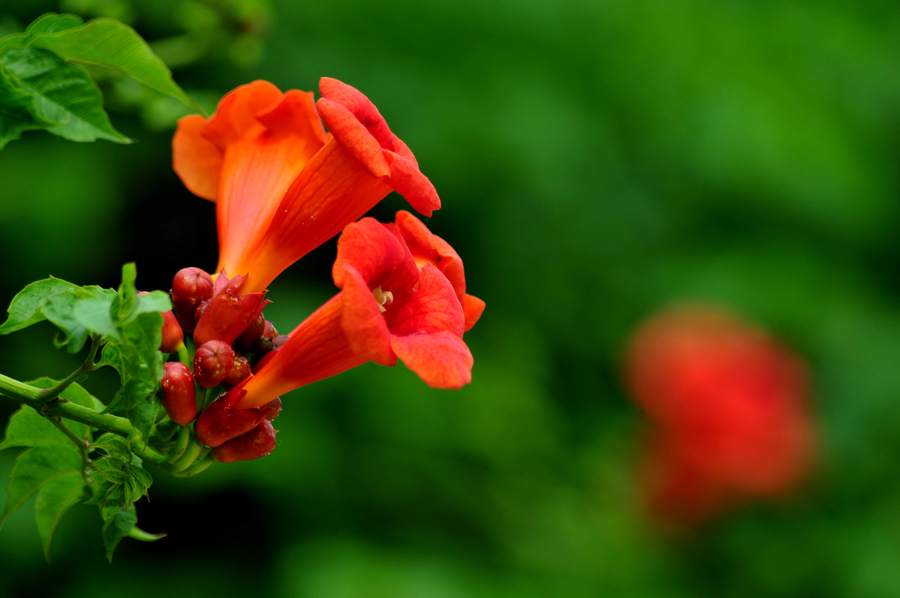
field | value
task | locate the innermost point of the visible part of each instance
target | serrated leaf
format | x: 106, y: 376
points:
x: 119, y: 478
x: 62, y: 95
x: 53, y: 500
x: 117, y: 524
x: 26, y: 307
x: 110, y: 44
x: 27, y: 428
x: 36, y: 467
x: 52, y: 22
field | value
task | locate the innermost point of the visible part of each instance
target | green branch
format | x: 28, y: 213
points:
x: 33, y: 396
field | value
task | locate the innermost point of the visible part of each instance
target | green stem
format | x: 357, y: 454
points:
x: 194, y: 450
x: 199, y: 466
x: 184, y: 355
x: 88, y: 365
x: 32, y: 396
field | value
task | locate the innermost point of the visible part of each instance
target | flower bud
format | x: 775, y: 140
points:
x: 223, y: 420
x: 189, y: 287
x: 272, y: 409
x: 279, y: 340
x: 172, y: 336
x: 178, y: 393
x: 247, y: 339
x: 240, y: 369
x: 200, y: 310
x: 212, y: 362
x: 257, y: 443
x: 266, y: 343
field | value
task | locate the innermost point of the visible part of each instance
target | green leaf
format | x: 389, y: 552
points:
x: 52, y: 22
x: 119, y: 478
x: 117, y: 524
x: 15, y: 117
x: 53, y: 500
x: 36, y: 467
x: 153, y: 302
x: 27, y: 306
x: 93, y: 313
x: 125, y: 303
x: 60, y: 310
x: 113, y: 45
x: 62, y: 95
x: 27, y: 428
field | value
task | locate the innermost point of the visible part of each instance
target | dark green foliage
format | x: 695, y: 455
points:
x: 43, y: 86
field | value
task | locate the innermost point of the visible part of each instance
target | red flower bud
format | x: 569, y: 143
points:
x: 172, y: 336
x: 189, y: 287
x: 258, y: 442
x: 272, y: 409
x: 222, y: 420
x: 266, y: 341
x: 240, y: 369
x: 200, y: 310
x: 248, y: 338
x: 179, y: 393
x: 212, y: 362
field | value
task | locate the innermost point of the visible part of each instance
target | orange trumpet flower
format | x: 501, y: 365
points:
x: 393, y: 303
x: 282, y: 185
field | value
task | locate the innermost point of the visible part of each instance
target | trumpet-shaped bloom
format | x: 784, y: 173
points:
x: 729, y: 408
x: 281, y: 184
x: 391, y: 306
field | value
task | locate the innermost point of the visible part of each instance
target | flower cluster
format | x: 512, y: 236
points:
x: 283, y: 185
x: 729, y: 408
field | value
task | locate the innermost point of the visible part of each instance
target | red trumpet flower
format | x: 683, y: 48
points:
x: 391, y: 305
x: 729, y: 408
x: 282, y: 185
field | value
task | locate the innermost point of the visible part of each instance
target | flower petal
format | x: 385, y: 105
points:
x: 427, y: 246
x: 196, y: 160
x: 431, y: 307
x: 415, y: 187
x: 316, y: 349
x: 237, y: 112
x: 362, y: 321
x: 441, y: 359
x: 354, y: 136
x: 473, y: 307
x: 258, y: 170
x: 379, y: 256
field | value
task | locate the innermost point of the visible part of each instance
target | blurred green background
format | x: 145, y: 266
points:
x: 597, y: 160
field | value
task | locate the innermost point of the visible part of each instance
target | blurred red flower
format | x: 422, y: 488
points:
x: 282, y: 185
x: 729, y: 411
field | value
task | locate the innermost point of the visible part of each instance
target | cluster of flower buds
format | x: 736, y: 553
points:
x: 226, y: 346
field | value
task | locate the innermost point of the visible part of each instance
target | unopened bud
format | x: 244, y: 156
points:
x: 190, y: 286
x: 272, y: 409
x: 172, y: 336
x: 266, y: 341
x: 240, y: 370
x: 247, y: 339
x: 178, y: 393
x: 212, y: 362
x: 257, y: 443
x: 223, y: 420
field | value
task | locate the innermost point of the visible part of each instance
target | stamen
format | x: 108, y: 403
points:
x: 382, y: 298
